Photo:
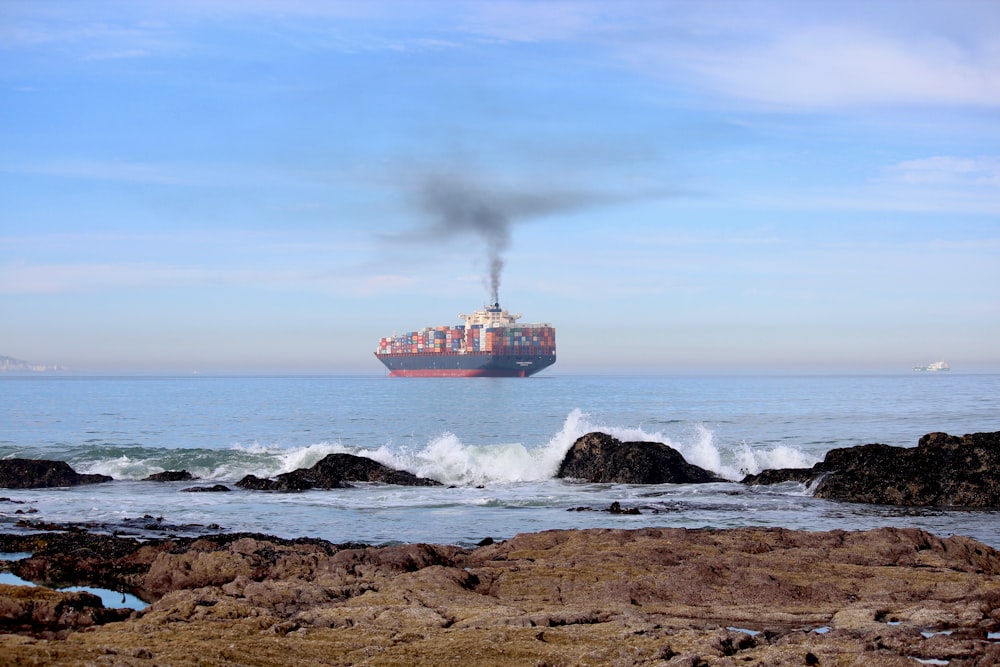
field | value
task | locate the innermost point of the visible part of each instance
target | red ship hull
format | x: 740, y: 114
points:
x: 456, y: 373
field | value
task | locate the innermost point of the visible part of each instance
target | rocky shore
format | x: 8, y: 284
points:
x: 652, y: 596
x: 581, y: 597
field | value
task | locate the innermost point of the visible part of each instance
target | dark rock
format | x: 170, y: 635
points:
x: 616, y: 508
x: 151, y: 524
x: 780, y: 475
x: 289, y: 481
x: 52, y: 525
x: 170, y: 476
x: 77, y: 558
x: 335, y: 471
x: 599, y: 457
x: 37, y: 474
x: 339, y: 467
x: 942, y: 470
x: 216, y: 488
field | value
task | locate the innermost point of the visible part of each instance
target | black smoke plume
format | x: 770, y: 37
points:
x: 459, y: 204
x: 459, y: 207
x: 457, y: 201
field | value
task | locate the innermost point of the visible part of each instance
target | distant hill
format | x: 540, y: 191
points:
x: 12, y: 365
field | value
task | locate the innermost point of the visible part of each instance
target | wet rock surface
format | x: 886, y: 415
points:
x: 654, y: 596
x: 144, y: 526
x: 170, y: 476
x: 942, y: 470
x: 48, y: 614
x: 335, y: 471
x: 39, y: 473
x: 215, y: 488
x: 599, y: 457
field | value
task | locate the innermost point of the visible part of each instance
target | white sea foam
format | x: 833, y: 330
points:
x: 447, y: 459
x: 122, y: 467
x: 450, y: 461
x: 750, y: 460
x: 701, y: 450
x: 306, y: 457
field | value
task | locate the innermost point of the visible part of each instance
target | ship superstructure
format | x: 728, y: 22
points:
x: 490, y: 343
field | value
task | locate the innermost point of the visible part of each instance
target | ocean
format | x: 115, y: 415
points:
x: 495, y: 443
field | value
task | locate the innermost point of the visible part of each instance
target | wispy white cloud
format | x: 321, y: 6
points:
x: 83, y: 36
x: 940, y: 184
x: 118, y: 55
x: 948, y: 170
x: 115, y: 277
x: 384, y: 282
x: 822, y: 67
x: 105, y: 170
x: 24, y: 278
x: 791, y: 56
x: 559, y: 20
x: 84, y: 278
x: 784, y: 55
x: 124, y: 29
x: 872, y: 198
x: 177, y: 173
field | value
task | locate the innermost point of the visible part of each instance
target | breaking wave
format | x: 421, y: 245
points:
x: 445, y: 457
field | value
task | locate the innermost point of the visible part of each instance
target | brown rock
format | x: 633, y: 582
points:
x: 654, y: 596
x: 42, y: 612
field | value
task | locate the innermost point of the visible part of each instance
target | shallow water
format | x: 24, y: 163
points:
x: 110, y: 599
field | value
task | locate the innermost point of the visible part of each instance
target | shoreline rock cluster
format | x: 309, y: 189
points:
x: 942, y: 470
x: 664, y: 596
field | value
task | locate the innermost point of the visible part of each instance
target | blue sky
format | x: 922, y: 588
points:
x: 265, y: 185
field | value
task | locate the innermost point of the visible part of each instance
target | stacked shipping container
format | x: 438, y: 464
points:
x: 513, y: 340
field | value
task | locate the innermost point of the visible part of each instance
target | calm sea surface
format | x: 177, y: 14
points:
x: 495, y: 443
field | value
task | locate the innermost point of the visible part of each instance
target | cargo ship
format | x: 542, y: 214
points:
x: 490, y: 344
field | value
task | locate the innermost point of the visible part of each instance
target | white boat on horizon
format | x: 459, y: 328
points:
x: 935, y: 367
